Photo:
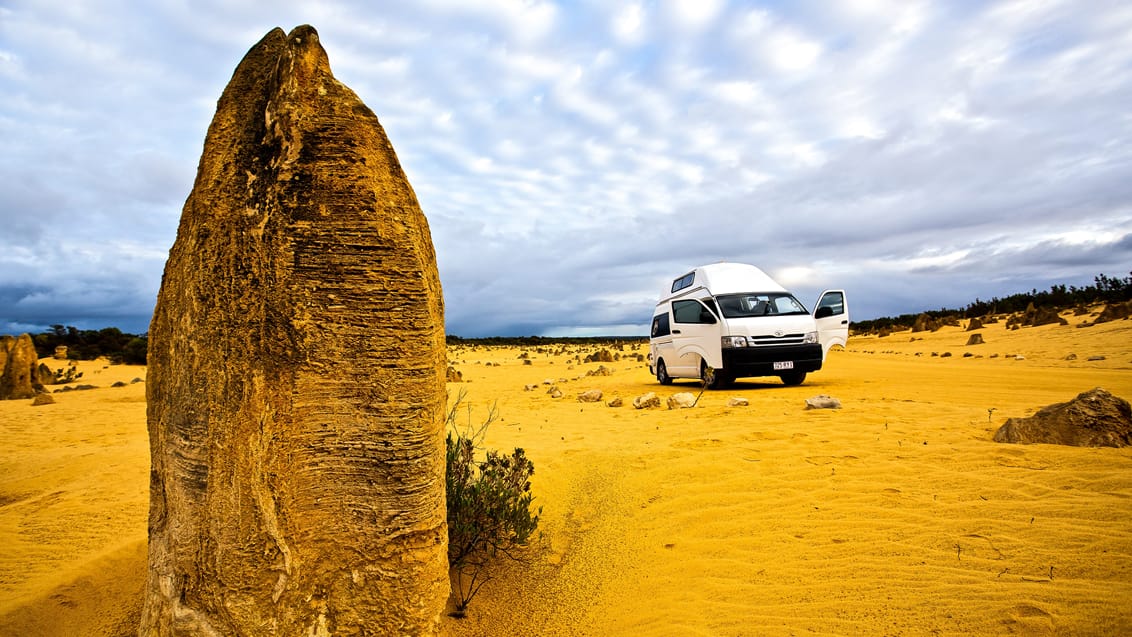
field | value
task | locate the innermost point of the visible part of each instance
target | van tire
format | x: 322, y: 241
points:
x: 793, y: 378
x: 662, y: 376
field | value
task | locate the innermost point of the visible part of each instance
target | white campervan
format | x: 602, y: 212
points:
x: 725, y: 321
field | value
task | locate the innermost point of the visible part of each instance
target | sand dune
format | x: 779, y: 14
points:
x: 894, y: 515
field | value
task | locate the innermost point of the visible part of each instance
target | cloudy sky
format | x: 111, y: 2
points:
x: 574, y: 157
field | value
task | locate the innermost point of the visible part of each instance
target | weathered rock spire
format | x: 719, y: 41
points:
x: 296, y: 374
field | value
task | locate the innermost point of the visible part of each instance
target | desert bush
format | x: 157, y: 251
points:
x: 489, y: 505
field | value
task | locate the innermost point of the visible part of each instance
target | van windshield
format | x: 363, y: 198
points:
x: 759, y: 304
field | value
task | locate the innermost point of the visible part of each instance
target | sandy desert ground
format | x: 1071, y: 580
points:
x: 894, y: 515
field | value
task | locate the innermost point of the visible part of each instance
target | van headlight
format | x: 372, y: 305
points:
x: 734, y: 341
x: 810, y: 337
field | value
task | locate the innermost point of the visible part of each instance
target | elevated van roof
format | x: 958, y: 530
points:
x: 723, y: 278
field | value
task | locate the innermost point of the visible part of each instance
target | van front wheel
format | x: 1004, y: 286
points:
x: 793, y: 378
x: 662, y: 376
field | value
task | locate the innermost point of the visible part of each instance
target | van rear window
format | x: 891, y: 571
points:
x: 684, y: 281
x: 660, y: 325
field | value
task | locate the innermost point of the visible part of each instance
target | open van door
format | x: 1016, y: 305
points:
x: 832, y: 317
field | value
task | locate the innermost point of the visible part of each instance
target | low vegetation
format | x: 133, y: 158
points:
x: 489, y: 505
x: 1105, y: 289
x: 111, y: 342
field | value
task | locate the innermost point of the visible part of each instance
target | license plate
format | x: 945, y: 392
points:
x: 784, y: 365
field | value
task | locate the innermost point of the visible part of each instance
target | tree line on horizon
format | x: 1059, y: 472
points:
x: 121, y: 347
x: 1105, y: 289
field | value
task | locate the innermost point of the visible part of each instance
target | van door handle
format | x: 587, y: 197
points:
x: 675, y: 331
x: 845, y: 322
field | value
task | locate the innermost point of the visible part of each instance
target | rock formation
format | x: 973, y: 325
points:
x: 1115, y: 312
x: 1094, y: 418
x: 1034, y: 317
x: 296, y: 374
x: 18, y: 374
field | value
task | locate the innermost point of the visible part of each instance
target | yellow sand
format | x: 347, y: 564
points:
x: 895, y: 515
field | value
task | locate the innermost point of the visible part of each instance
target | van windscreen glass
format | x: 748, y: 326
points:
x: 759, y: 304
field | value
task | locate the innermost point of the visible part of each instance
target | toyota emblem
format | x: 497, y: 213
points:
x: 778, y: 332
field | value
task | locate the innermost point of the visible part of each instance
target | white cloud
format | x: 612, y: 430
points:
x: 530, y: 128
x: 692, y: 15
x: 788, y: 50
x: 628, y: 24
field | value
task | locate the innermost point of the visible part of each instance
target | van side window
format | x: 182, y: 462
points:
x: 660, y: 326
x: 835, y: 301
x: 684, y: 281
x: 691, y: 312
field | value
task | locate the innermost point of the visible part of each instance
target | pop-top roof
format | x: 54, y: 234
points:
x: 729, y: 278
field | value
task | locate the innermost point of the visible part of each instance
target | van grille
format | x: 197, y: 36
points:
x: 770, y: 339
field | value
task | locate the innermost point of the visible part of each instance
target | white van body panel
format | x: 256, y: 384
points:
x: 689, y: 326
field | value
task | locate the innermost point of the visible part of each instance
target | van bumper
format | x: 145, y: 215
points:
x: 739, y: 362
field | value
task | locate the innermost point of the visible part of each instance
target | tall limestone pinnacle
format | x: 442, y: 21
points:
x: 296, y: 374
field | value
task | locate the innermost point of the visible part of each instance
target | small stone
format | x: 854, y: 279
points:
x: 646, y: 401
x: 738, y: 402
x: 42, y: 399
x: 823, y: 402
x: 616, y: 402
x: 682, y: 400
x: 590, y: 396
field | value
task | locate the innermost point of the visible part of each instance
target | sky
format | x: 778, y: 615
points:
x: 572, y: 158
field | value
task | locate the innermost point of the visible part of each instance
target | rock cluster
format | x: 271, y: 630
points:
x: 1034, y: 317
x: 1095, y: 418
x: 296, y: 374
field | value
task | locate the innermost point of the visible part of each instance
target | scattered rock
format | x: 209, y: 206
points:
x: 1095, y: 358
x: 738, y: 402
x: 590, y: 396
x: 554, y: 392
x: 43, y: 399
x: 975, y: 324
x: 975, y: 339
x: 602, y: 356
x: 602, y: 370
x: 647, y: 401
x: 616, y: 402
x: 61, y: 352
x: 945, y: 355
x: 682, y: 400
x: 1094, y: 418
x: 453, y: 375
x: 18, y: 371
x: 925, y: 323
x: 530, y: 387
x: 1071, y: 357
x: 44, y: 375
x: 823, y: 402
x: 120, y: 383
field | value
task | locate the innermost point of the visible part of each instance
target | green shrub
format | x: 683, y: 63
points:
x: 489, y: 506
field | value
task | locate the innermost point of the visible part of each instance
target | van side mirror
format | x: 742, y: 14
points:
x: 707, y: 317
x: 823, y: 312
